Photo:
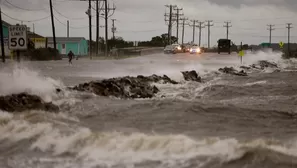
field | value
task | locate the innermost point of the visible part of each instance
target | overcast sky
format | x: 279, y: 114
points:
x: 138, y: 20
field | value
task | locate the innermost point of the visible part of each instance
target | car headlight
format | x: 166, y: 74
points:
x: 191, y: 50
x: 198, y: 49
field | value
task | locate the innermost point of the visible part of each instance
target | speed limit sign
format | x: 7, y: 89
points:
x: 17, y: 37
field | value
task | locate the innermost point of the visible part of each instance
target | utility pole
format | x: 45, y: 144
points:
x: 177, y: 21
x: 106, y: 11
x: 90, y: 29
x: 113, y: 29
x: 2, y: 38
x: 170, y: 20
x: 209, y: 24
x: 170, y: 25
x: 97, y: 27
x: 67, y: 28
x: 183, y: 33
x: 194, y: 27
x: 200, y: 26
x: 34, y: 33
x: 106, y: 28
x: 270, y: 30
x: 289, y: 29
x: 227, y: 27
x: 53, y: 25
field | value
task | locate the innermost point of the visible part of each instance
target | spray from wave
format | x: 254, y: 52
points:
x: 17, y: 79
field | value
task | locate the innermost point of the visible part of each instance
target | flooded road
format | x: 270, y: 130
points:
x: 224, y: 122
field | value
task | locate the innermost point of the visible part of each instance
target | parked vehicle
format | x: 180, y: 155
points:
x: 186, y: 48
x: 178, y: 48
x: 170, y: 49
x: 224, y: 45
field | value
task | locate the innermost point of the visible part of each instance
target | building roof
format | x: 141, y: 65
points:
x: 5, y: 23
x: 65, y: 39
x: 30, y: 34
x: 34, y: 35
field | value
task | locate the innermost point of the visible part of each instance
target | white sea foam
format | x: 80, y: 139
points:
x: 22, y: 79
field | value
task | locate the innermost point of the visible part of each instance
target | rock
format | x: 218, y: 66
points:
x: 125, y: 87
x: 245, y: 67
x: 24, y: 101
x: 155, y: 78
x: 191, y: 76
x: 232, y: 71
x: 265, y: 64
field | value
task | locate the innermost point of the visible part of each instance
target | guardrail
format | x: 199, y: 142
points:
x: 139, y: 51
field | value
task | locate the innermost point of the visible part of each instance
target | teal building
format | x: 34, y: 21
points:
x: 78, y: 45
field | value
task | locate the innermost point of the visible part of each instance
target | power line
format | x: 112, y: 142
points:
x: 82, y: 27
x: 139, y: 31
x: 15, y: 6
x: 36, y: 20
x: 68, y: 17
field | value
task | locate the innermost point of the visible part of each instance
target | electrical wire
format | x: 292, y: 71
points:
x: 140, y: 31
x: 68, y: 17
x: 15, y: 6
x: 71, y: 26
x: 36, y: 20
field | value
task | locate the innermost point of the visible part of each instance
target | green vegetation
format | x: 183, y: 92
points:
x: 288, y: 55
x: 44, y: 54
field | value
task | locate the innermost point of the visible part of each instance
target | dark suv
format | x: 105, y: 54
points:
x: 224, y: 45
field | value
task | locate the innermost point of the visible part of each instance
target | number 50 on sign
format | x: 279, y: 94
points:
x: 17, y: 37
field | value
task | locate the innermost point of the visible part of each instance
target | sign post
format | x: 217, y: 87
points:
x: 17, y: 39
x: 241, y: 53
x: 281, y: 44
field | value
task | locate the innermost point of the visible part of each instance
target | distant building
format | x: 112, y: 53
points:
x: 38, y: 40
x: 5, y: 26
x: 78, y: 45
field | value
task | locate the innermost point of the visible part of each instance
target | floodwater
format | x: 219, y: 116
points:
x: 224, y: 122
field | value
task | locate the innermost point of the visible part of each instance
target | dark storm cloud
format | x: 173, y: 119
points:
x: 290, y: 4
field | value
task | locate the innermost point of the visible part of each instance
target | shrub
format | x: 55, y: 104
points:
x: 44, y: 54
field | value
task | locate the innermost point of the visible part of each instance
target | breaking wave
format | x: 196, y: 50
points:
x: 19, y: 79
x: 118, y: 149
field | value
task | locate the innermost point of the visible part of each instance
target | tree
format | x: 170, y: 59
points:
x: 119, y: 42
x: 162, y: 40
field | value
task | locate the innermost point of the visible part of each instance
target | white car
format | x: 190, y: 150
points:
x: 195, y: 50
x: 177, y: 47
